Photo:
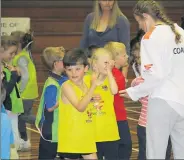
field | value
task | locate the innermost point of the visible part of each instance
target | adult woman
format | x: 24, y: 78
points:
x: 107, y: 23
x: 162, y: 56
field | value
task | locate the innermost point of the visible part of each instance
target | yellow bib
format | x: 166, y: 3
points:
x: 31, y: 90
x: 75, y: 129
x: 106, y: 128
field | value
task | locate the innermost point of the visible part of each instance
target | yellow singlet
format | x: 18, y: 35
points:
x: 75, y: 129
x: 106, y: 128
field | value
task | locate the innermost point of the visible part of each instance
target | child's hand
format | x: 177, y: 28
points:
x: 18, y: 71
x: 11, y: 68
x: 96, y: 97
x: 109, y: 65
x: 95, y: 79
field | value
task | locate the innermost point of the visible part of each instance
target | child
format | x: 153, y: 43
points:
x: 28, y: 84
x: 13, y: 102
x: 8, y: 150
x: 106, y: 129
x: 120, y: 57
x: 141, y: 127
x: 75, y: 127
x: 47, y: 115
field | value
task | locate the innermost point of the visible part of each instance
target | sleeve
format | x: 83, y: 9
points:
x: 84, y: 43
x: 124, y: 32
x: 155, y: 67
x: 62, y: 80
x: 50, y: 96
x: 133, y: 83
x: 11, y: 137
x: 23, y: 65
x: 120, y: 80
x: 11, y: 84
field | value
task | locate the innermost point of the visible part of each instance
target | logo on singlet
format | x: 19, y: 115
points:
x: 178, y: 50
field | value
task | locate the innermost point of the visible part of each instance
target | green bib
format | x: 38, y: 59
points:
x: 17, y: 105
x: 31, y: 90
x: 49, y: 81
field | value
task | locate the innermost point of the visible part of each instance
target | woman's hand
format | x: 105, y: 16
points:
x: 123, y: 93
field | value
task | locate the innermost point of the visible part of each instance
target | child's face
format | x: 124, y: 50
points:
x: 121, y: 59
x: 9, y: 53
x: 137, y: 57
x: 58, y: 65
x: 76, y: 73
x: 101, y: 63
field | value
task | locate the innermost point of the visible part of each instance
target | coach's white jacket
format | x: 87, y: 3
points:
x: 162, y: 66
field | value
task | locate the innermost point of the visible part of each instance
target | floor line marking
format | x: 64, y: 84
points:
x: 130, y: 110
x: 132, y: 119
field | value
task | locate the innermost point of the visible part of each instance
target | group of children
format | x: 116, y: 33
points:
x: 81, y: 113
x: 19, y: 81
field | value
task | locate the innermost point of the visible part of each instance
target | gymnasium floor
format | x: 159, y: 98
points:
x: 133, y: 111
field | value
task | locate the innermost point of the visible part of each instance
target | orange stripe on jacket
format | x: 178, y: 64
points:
x: 148, y: 34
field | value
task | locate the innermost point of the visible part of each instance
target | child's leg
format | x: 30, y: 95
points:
x: 111, y: 150
x: 125, y: 143
x: 26, y: 117
x: 90, y: 156
x: 160, y: 121
x: 14, y: 123
x: 141, y: 134
x: 100, y: 150
x: 47, y: 150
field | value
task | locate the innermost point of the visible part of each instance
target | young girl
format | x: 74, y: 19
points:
x: 13, y: 102
x: 120, y: 57
x: 28, y: 84
x: 75, y: 127
x: 141, y: 127
x: 106, y: 129
x: 47, y: 115
x: 162, y: 57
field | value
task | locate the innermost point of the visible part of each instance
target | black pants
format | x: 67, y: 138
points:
x: 25, y: 117
x: 141, y: 134
x: 47, y: 150
x: 109, y: 150
x: 125, y: 143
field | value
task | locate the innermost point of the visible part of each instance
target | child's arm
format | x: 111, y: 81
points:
x: 112, y: 82
x: 120, y: 80
x: 80, y: 105
x: 11, y: 84
x: 50, y: 98
x: 23, y: 66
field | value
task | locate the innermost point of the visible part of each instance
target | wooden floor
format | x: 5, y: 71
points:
x: 133, y: 111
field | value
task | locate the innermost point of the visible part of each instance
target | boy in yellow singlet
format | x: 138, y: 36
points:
x: 106, y: 129
x: 75, y: 127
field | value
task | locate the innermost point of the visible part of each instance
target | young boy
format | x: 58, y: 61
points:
x: 47, y: 115
x: 75, y: 126
x: 28, y: 84
x: 120, y: 57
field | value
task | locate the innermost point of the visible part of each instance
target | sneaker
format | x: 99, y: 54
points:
x: 24, y: 145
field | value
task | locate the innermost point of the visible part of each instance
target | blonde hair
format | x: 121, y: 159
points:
x: 99, y: 52
x: 51, y: 55
x: 115, y: 13
x: 115, y: 48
